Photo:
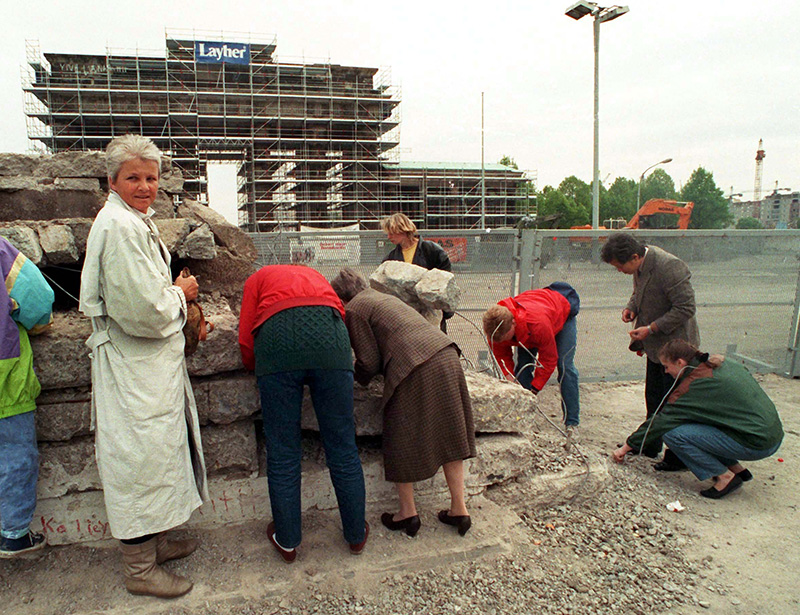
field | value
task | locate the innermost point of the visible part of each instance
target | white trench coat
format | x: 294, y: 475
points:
x: 147, y: 435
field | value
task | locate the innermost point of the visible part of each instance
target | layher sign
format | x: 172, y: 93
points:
x: 217, y: 53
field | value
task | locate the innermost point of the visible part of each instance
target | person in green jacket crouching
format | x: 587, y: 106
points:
x: 715, y: 415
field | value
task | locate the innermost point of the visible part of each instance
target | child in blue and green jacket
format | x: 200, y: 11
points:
x: 26, y: 302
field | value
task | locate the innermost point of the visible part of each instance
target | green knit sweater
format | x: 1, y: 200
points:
x: 308, y: 337
x: 729, y: 399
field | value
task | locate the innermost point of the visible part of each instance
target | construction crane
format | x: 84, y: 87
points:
x: 759, y: 168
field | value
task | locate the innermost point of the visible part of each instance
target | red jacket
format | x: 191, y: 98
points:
x: 539, y: 315
x: 275, y: 288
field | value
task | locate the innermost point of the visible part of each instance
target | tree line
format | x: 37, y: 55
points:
x: 570, y: 204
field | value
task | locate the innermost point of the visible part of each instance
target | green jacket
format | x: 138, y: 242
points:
x: 722, y: 394
x: 26, y: 301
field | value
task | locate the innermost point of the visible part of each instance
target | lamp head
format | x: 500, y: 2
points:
x: 612, y: 13
x: 580, y: 9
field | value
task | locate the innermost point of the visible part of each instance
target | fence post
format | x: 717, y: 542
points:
x: 537, y: 260
x: 526, y: 257
x: 515, y: 262
x: 792, y: 360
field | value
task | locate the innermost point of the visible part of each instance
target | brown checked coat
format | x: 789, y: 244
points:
x: 427, y: 416
x: 663, y: 294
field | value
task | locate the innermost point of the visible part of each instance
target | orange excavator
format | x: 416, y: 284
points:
x: 662, y: 214
x: 654, y: 214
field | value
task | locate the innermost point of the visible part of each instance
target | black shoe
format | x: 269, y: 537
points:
x: 411, y: 525
x: 17, y: 547
x: 745, y: 475
x: 716, y: 494
x: 463, y: 523
x: 665, y: 466
x: 670, y: 463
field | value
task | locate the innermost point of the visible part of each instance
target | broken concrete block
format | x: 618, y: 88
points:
x: 198, y: 245
x: 77, y: 183
x: 22, y: 182
x: 171, y: 179
x: 67, y: 468
x: 80, y: 231
x: 232, y: 399
x: 220, y: 352
x: 24, y: 239
x: 438, y: 290
x: 499, y: 406
x: 238, y: 243
x: 173, y: 232
x: 16, y: 165
x: 49, y: 204
x: 73, y: 164
x: 399, y: 279
x: 226, y: 274
x: 58, y: 244
x: 63, y: 421
x: 60, y: 354
x: 500, y: 458
x: 230, y: 448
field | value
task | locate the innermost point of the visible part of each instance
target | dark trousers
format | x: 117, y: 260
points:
x: 656, y: 385
x: 281, y: 406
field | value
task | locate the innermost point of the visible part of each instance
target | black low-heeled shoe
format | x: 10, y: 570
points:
x: 463, y: 523
x: 745, y: 475
x: 411, y: 525
x: 716, y: 494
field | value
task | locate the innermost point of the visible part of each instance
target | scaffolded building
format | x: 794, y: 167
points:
x: 445, y: 195
x: 315, y: 142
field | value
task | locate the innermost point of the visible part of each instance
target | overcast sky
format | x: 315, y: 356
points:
x: 700, y: 82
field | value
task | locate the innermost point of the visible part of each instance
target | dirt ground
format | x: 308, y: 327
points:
x: 738, y: 555
x: 751, y: 536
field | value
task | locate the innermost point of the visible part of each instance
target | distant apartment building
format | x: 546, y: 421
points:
x: 776, y: 210
x: 315, y: 144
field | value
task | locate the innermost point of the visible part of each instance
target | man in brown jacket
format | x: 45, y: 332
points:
x: 662, y: 308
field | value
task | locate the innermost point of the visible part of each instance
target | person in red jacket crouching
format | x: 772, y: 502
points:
x: 541, y: 325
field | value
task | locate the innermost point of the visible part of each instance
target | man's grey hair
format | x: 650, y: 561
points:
x: 130, y: 147
x: 348, y: 284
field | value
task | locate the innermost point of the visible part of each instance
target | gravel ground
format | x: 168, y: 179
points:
x: 616, y: 550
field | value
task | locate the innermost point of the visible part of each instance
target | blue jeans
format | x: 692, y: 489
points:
x: 281, y: 404
x: 19, y: 470
x: 708, y: 451
x: 566, y: 343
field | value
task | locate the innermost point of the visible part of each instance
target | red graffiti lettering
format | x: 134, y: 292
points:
x: 61, y: 529
x: 46, y: 527
x: 225, y: 499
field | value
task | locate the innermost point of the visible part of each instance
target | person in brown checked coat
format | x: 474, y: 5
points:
x: 427, y: 415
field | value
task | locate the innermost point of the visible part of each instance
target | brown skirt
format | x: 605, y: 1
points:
x: 428, y: 420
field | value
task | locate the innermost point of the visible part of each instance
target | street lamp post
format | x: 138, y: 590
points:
x: 641, y: 179
x: 601, y: 15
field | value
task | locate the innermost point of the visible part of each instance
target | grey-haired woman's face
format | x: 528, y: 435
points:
x: 137, y: 183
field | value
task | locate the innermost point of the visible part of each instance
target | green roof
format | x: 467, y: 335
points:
x: 464, y: 166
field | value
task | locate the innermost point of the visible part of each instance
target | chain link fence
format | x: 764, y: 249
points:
x: 745, y: 282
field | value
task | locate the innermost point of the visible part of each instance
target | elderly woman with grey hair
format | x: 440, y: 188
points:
x: 427, y: 414
x: 147, y: 437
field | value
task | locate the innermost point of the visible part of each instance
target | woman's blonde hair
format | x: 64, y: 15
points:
x: 130, y: 147
x: 399, y: 223
x: 497, y: 322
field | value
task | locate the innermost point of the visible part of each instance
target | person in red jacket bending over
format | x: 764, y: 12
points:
x: 292, y: 334
x: 541, y: 325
